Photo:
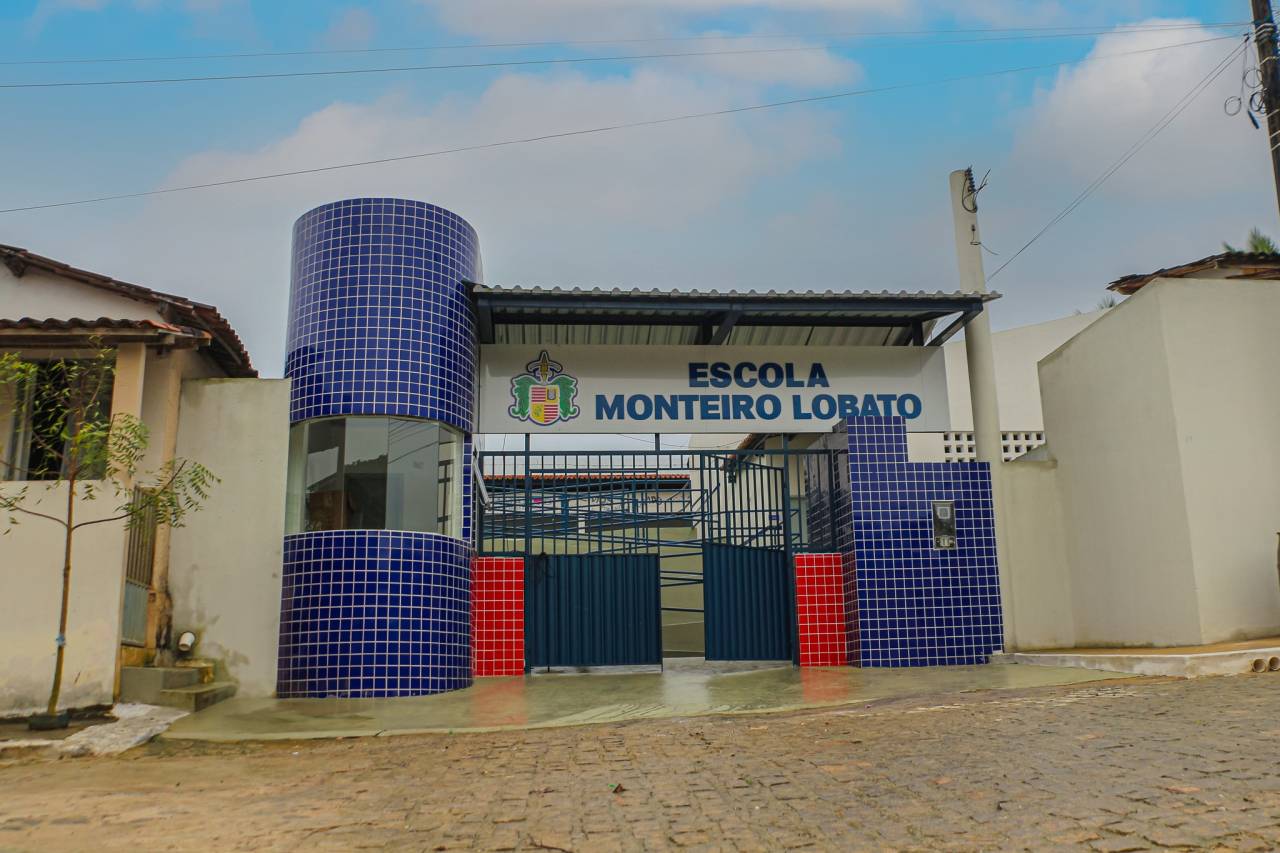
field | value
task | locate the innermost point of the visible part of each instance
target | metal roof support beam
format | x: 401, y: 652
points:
x: 501, y: 318
x: 912, y: 335
x: 484, y: 323
x: 954, y: 326
x: 725, y: 328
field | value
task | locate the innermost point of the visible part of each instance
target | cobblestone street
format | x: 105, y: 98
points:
x: 1124, y: 765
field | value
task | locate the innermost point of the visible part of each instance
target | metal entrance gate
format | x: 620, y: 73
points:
x: 748, y: 603
x: 701, y: 540
x: 592, y: 610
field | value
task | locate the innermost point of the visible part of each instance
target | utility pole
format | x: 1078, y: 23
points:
x: 982, y: 377
x: 1264, y: 36
x: 977, y: 333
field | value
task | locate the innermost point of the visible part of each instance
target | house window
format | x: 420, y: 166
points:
x: 371, y: 473
x: 39, y: 419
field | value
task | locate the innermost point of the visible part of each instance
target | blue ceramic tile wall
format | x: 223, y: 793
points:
x: 918, y: 605
x: 374, y: 613
x: 380, y: 324
x: 379, y: 318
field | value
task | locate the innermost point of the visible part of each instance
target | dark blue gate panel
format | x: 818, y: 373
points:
x: 592, y: 610
x: 747, y: 599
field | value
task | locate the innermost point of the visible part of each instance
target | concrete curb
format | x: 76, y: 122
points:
x: 1179, y: 666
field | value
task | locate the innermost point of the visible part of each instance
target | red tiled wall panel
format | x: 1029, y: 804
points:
x: 497, y: 616
x: 820, y: 611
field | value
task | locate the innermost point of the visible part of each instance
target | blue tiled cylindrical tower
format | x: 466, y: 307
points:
x: 376, y: 594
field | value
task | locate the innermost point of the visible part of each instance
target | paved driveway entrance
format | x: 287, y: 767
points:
x: 688, y: 687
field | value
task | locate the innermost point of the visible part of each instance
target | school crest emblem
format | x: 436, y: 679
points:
x: 544, y: 393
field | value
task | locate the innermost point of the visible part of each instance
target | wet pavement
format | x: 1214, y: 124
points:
x: 1130, y: 764
x: 687, y: 687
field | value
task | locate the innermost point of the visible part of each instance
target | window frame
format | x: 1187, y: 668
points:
x: 444, y: 484
x: 19, y: 425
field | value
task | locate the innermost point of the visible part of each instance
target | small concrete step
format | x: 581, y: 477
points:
x: 144, y: 684
x: 198, y: 696
x: 206, y: 668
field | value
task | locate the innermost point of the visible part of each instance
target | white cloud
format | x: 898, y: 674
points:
x: 794, y: 61
x: 625, y: 208
x: 1094, y: 111
x: 351, y: 28
x: 47, y: 9
x: 1025, y: 13
x: 1201, y: 181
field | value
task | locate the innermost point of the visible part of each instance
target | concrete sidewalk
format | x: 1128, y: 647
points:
x: 1257, y: 656
x: 686, y: 688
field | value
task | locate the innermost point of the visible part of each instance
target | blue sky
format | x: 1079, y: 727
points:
x: 847, y: 194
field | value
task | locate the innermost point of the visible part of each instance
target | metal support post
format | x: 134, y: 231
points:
x: 788, y: 550
x: 528, y: 500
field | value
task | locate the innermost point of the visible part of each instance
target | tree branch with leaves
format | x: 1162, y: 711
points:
x: 61, y: 409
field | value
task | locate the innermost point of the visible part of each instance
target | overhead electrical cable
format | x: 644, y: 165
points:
x: 343, y: 72
x: 1155, y: 130
x: 1039, y: 32
x: 460, y: 66
x: 813, y: 99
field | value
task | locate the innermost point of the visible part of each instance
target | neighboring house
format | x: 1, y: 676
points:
x: 119, y: 601
x: 1226, y: 265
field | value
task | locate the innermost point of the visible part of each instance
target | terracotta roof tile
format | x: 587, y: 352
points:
x: 1253, y: 264
x: 183, y: 314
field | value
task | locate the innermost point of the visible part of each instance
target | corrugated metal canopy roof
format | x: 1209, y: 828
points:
x: 538, y: 315
x: 704, y: 295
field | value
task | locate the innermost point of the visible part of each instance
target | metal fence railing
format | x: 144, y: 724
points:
x: 670, y: 501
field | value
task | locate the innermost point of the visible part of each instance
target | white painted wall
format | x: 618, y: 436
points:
x: 31, y: 600
x: 1163, y: 418
x: 1017, y: 351
x: 1109, y: 416
x: 42, y: 296
x: 1224, y: 366
x: 225, y: 564
x: 1041, y: 613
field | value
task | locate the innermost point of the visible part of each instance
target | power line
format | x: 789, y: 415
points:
x: 403, y: 68
x: 343, y: 72
x: 596, y: 130
x: 1167, y: 119
x: 1044, y: 32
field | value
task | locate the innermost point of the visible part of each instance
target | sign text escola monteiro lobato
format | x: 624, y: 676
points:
x: 682, y: 389
x: 747, y: 375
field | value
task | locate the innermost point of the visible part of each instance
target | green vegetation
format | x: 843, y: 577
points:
x: 1258, y: 243
x: 62, y: 410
